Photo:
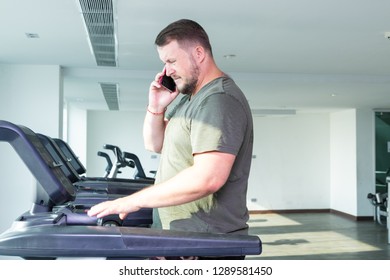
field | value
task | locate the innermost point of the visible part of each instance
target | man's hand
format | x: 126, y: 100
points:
x: 121, y: 206
x: 160, y: 97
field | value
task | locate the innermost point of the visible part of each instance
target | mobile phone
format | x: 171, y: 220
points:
x: 167, y: 82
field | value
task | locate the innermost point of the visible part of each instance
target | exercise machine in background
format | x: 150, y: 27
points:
x: 109, y: 163
x: 125, y: 159
x: 380, y: 201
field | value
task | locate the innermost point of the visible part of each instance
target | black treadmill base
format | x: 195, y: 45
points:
x: 53, y: 241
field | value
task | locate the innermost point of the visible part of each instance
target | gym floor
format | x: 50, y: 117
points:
x: 319, y: 236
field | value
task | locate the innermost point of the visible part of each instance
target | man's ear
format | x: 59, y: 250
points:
x: 199, y: 53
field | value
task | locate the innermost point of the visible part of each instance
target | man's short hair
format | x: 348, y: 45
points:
x: 184, y: 31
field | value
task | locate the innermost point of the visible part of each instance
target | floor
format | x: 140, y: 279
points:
x: 319, y: 236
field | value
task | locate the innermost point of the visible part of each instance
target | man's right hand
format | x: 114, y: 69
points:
x: 159, y: 96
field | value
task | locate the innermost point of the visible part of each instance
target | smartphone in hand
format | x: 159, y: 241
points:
x: 167, y: 82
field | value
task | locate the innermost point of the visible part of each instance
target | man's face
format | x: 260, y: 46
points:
x: 181, y: 66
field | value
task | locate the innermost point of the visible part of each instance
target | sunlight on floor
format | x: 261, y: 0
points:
x: 311, y: 243
x: 303, y: 243
x: 270, y: 220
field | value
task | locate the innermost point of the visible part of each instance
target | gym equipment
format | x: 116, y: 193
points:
x: 380, y: 200
x: 77, y: 164
x: 111, y: 185
x: 51, y: 237
x: 57, y: 227
x: 380, y: 203
x: 121, y: 161
x: 109, y: 163
x: 91, y: 191
x: 388, y: 210
x: 140, y: 173
x: 70, y: 156
x: 37, y: 152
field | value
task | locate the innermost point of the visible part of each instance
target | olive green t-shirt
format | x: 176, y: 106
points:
x: 217, y: 118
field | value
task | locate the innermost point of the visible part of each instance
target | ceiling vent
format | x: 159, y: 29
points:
x: 111, y: 94
x: 100, y: 24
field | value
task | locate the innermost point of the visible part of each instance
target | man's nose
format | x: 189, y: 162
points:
x: 169, y: 70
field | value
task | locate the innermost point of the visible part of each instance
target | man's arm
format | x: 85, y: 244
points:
x: 153, y: 131
x: 207, y: 175
x: 154, y: 122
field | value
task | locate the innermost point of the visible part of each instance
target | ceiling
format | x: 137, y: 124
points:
x: 304, y: 55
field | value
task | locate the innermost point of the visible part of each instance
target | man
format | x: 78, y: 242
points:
x: 205, y: 141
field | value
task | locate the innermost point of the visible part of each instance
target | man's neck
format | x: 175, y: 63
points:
x: 210, y: 73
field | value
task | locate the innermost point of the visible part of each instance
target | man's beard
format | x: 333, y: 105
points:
x: 189, y: 86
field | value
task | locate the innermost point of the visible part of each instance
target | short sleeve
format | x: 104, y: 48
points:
x: 219, y: 124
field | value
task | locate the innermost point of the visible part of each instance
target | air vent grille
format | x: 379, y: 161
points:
x: 100, y: 24
x: 111, y: 94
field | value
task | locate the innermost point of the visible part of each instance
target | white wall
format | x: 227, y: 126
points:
x: 343, y: 161
x: 352, y: 161
x: 365, y: 142
x: 291, y: 168
x: 76, y: 131
x: 30, y: 96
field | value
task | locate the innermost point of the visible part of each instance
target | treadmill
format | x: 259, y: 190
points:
x: 108, y: 160
x: 73, y: 197
x: 55, y: 227
x: 120, y: 186
x: 140, y: 173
